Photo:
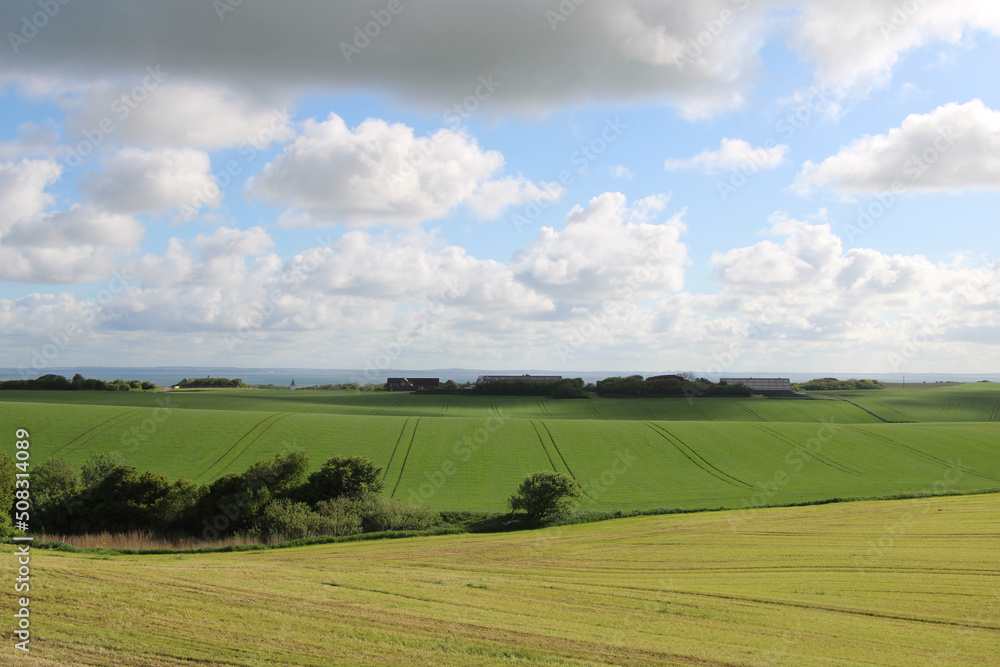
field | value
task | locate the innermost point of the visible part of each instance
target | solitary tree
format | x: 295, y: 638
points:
x: 545, y: 493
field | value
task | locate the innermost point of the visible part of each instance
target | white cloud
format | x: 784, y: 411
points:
x: 32, y: 141
x: 955, y: 147
x: 233, y: 277
x: 160, y: 109
x: 408, y: 299
x: 492, y: 198
x: 732, y: 154
x: 600, y: 254
x: 857, y: 43
x: 138, y: 181
x: 22, y: 189
x: 78, y: 245
x: 620, y: 171
x: 382, y: 172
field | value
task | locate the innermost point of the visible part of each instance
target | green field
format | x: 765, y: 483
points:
x: 914, y: 582
x: 469, y: 453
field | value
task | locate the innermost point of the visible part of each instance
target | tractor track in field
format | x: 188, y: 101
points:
x: 257, y: 437
x: 645, y: 411
x: 995, y: 413
x: 691, y: 455
x: 805, y: 605
x: 876, y: 416
x: 444, y: 406
x: 813, y: 455
x: 889, y: 441
x: 395, y: 447
x: 805, y: 414
x: 121, y: 417
x: 597, y: 414
x: 698, y: 411
x: 751, y: 412
x: 544, y: 409
x: 402, y: 468
x: 561, y: 457
x: 542, y: 443
x: 241, y: 439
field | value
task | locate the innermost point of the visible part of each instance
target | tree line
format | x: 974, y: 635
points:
x: 636, y: 386
x: 275, y: 498
x: 78, y: 383
x: 828, y: 384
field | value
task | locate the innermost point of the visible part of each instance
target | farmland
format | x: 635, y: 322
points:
x: 469, y: 452
x: 878, y: 583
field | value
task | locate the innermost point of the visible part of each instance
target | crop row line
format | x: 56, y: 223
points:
x: 395, y: 447
x: 690, y: 454
x: 413, y: 437
x: 120, y: 417
x: 811, y: 454
x: 243, y: 437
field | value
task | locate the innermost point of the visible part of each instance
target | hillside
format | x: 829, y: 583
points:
x: 796, y: 586
x: 469, y: 453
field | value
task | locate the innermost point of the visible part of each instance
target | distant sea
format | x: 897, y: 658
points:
x: 169, y: 375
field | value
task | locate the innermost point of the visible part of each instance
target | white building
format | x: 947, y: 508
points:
x: 762, y: 384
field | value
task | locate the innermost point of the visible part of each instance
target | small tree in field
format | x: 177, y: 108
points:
x: 545, y: 493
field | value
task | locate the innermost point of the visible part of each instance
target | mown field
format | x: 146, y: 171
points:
x: 913, y: 582
x: 470, y: 453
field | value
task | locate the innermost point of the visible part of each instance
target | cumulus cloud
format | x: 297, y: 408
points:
x: 78, y: 245
x: 732, y: 154
x: 857, y: 43
x: 406, y: 296
x: 602, y: 254
x: 22, y: 189
x: 138, y: 181
x: 32, y: 141
x: 233, y: 274
x: 382, y: 172
x: 818, y: 289
x: 955, y: 147
x: 492, y: 198
x: 152, y: 107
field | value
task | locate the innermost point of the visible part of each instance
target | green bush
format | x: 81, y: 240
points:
x: 8, y: 476
x: 379, y: 513
x: 545, y: 493
x: 344, y: 476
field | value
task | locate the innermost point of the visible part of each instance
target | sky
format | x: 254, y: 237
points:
x: 720, y: 186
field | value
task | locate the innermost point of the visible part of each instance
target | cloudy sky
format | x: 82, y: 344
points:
x: 714, y: 185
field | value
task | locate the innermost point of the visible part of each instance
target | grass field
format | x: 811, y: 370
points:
x: 968, y: 402
x: 913, y: 582
x: 469, y: 453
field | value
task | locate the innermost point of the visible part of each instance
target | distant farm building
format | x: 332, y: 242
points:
x: 487, y: 379
x: 763, y: 385
x: 412, y: 384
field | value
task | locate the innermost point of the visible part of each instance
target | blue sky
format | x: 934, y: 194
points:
x: 718, y: 186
